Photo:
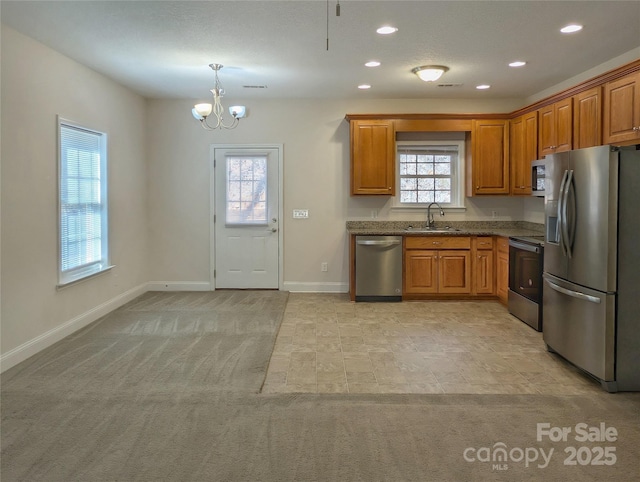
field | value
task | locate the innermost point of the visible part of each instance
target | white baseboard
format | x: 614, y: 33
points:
x: 178, y: 286
x: 45, y: 340
x: 313, y: 287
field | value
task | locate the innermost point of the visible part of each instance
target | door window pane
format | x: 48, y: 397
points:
x: 246, y: 198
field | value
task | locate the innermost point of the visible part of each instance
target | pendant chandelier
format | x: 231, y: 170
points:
x: 202, y: 112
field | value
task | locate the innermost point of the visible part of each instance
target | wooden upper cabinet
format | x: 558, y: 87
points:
x: 587, y: 118
x: 489, y: 169
x: 372, y: 157
x: 622, y: 110
x: 555, y: 127
x: 523, y: 148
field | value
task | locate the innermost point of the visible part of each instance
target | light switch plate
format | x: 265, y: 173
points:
x: 300, y: 213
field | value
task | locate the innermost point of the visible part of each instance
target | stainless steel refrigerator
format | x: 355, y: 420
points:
x: 591, y: 289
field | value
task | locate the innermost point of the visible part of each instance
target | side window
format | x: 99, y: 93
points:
x: 83, y: 202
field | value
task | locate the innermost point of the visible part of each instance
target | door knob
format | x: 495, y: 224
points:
x: 273, y: 230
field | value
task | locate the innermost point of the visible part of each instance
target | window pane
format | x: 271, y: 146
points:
x: 443, y: 169
x: 246, y: 190
x: 408, y: 196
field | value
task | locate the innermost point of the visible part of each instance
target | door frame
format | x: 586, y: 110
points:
x: 212, y: 207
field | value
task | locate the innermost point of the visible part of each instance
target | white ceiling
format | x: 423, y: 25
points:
x: 163, y: 48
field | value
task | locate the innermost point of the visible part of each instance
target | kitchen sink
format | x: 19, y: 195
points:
x: 431, y: 230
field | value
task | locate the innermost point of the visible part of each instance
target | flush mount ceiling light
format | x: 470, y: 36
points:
x: 372, y: 63
x: 364, y: 86
x: 483, y: 86
x: 202, y: 111
x: 517, y: 63
x: 430, y: 73
x: 571, y: 28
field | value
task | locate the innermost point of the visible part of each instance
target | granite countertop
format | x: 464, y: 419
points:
x: 466, y: 228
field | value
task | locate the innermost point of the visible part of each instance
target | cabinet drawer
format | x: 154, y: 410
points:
x: 503, y: 244
x: 484, y: 242
x: 438, y: 242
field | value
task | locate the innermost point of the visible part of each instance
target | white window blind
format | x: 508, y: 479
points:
x: 83, y: 224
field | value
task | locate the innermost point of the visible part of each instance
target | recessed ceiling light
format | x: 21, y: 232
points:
x: 386, y: 30
x: 483, y: 87
x: 364, y: 86
x: 372, y: 63
x: 517, y: 63
x: 571, y: 28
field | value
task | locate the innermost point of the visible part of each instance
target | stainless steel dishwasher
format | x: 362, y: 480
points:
x: 378, y: 268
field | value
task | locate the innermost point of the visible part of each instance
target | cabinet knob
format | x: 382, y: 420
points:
x: 636, y: 128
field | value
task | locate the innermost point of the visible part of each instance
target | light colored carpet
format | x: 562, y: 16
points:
x: 167, y: 388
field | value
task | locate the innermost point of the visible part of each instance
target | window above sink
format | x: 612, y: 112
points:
x: 430, y: 170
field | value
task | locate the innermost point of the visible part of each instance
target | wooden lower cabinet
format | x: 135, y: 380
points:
x: 502, y: 270
x: 421, y: 272
x: 441, y: 266
x: 433, y: 272
x: 483, y: 266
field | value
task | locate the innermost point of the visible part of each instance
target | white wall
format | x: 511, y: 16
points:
x: 38, y: 84
x: 316, y: 177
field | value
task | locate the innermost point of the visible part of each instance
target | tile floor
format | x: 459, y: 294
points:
x: 327, y: 344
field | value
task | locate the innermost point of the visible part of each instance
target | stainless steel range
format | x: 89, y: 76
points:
x: 525, y: 279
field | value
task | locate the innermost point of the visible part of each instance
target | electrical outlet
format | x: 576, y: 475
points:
x: 300, y: 213
x: 374, y: 213
x: 494, y: 214
x: 324, y: 266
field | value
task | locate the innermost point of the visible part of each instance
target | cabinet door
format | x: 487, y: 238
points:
x: 587, y: 125
x: 490, y: 156
x: 483, y: 269
x: 546, y: 130
x: 502, y: 277
x: 372, y: 157
x: 516, y: 153
x: 622, y: 110
x: 564, y: 125
x: 523, y: 145
x: 421, y: 272
x: 454, y: 271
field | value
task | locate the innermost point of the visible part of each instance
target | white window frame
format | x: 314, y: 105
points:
x: 91, y: 267
x: 457, y: 187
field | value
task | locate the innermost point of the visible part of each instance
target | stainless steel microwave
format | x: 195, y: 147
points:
x: 538, y: 178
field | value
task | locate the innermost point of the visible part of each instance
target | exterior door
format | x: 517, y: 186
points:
x: 246, y: 221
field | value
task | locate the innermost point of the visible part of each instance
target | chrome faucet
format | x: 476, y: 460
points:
x: 430, y: 221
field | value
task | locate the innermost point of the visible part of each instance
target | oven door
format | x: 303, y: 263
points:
x: 525, y: 270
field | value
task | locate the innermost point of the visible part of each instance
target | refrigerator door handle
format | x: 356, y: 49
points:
x: 573, y: 294
x: 571, y: 219
x: 567, y: 232
x: 559, y: 238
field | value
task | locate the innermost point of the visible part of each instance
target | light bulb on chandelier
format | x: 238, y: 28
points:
x: 202, y: 112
